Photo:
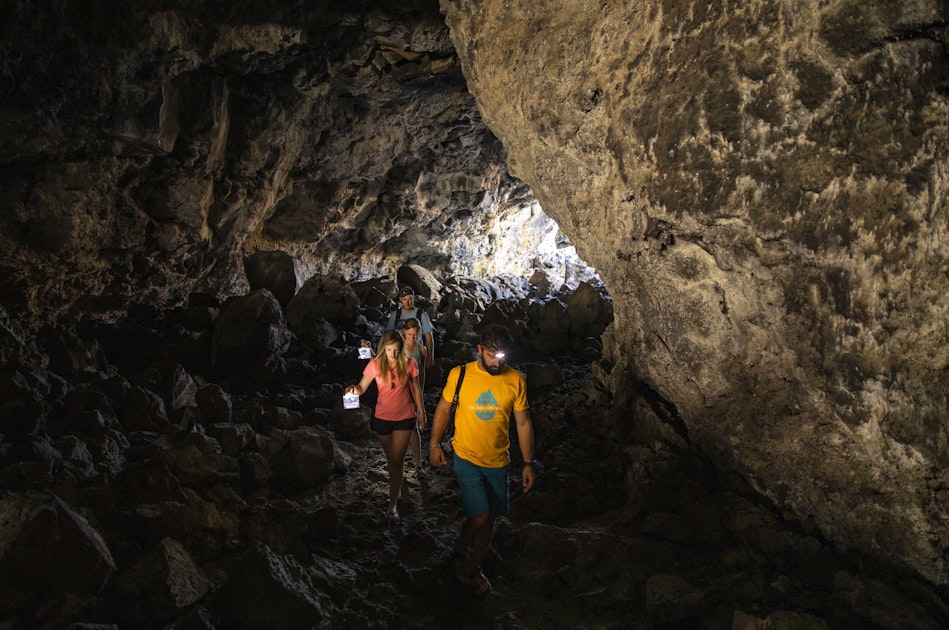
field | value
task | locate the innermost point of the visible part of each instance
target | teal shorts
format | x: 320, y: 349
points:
x: 483, y: 490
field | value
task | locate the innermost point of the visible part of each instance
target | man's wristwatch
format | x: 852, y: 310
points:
x: 436, y: 445
x: 530, y: 463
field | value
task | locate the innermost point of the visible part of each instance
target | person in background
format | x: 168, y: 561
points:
x: 411, y: 328
x: 491, y: 392
x: 408, y: 310
x: 399, y: 409
x: 412, y: 332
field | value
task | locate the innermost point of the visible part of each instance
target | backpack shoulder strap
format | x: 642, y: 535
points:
x: 461, y: 377
x: 450, y: 429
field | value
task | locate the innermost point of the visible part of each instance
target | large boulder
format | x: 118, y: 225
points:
x: 278, y: 272
x: 322, y: 297
x: 589, y: 312
x: 422, y: 281
x: 52, y: 560
x: 158, y: 587
x: 250, y: 330
x: 285, y: 595
x: 302, y: 458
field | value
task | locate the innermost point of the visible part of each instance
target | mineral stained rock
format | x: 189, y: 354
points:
x: 763, y: 188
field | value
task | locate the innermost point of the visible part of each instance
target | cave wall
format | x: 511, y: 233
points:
x: 763, y: 187
x: 146, y: 150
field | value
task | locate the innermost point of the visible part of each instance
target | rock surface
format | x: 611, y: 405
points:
x: 763, y: 188
x: 145, y: 153
x: 259, y: 502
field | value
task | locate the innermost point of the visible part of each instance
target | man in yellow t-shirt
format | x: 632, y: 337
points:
x: 491, y: 392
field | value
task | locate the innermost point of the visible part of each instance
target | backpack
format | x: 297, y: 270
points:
x: 397, y: 314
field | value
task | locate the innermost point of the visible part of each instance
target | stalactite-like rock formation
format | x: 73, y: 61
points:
x: 763, y: 187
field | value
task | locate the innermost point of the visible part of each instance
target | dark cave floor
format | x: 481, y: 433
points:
x: 612, y: 536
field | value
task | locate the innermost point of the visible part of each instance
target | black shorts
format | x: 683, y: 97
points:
x: 386, y: 427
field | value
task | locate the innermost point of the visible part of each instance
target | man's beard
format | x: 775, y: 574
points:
x: 494, y: 370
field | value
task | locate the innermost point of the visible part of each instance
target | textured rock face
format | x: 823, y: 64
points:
x: 144, y: 153
x: 763, y: 187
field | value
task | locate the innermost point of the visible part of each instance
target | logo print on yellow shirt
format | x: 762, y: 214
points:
x: 486, y: 406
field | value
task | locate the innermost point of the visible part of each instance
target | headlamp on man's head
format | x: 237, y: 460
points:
x: 496, y: 353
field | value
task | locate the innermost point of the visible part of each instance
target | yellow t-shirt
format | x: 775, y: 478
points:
x: 485, y: 407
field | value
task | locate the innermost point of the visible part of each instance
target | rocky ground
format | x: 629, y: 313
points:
x: 613, y: 535
x: 195, y: 469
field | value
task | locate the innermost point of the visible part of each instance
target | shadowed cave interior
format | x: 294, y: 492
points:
x: 715, y: 233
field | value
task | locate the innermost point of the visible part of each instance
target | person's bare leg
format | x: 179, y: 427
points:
x: 395, y: 457
x: 388, y: 445
x: 481, y: 542
x: 416, y: 442
x: 386, y: 441
x: 472, y: 544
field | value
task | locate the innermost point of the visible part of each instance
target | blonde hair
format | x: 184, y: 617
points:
x: 400, y: 368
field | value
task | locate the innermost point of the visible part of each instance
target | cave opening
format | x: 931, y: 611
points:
x: 521, y: 242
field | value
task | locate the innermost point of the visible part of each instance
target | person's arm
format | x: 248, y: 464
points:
x: 436, y: 455
x: 359, y: 388
x: 430, y: 350
x: 421, y: 368
x: 525, y: 437
x: 426, y: 322
x: 419, y: 403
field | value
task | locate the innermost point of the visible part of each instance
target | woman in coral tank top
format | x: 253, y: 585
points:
x: 399, y: 408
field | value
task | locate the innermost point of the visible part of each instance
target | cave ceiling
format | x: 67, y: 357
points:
x: 145, y: 151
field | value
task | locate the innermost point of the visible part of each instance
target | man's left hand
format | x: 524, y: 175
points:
x: 527, y: 478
